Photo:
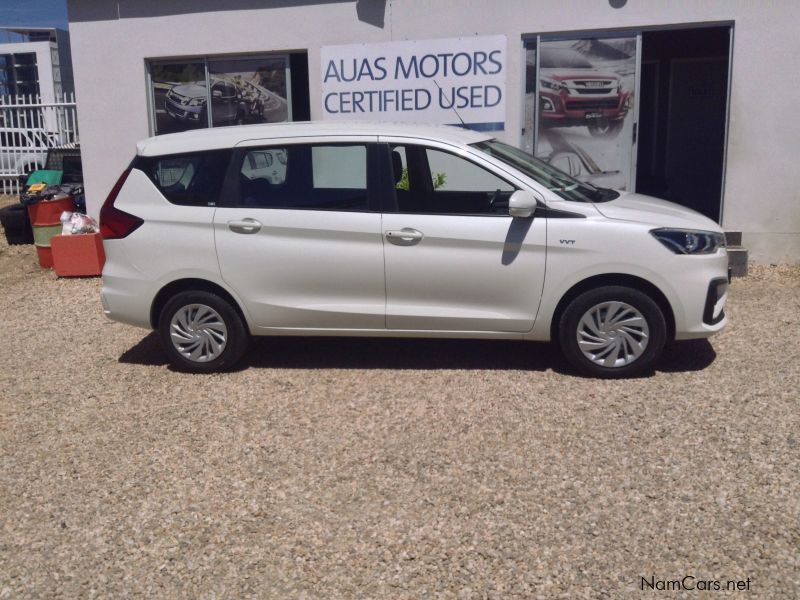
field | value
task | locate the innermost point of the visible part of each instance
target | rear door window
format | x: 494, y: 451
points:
x: 305, y: 176
x: 339, y: 167
x: 269, y: 164
x: 189, y: 179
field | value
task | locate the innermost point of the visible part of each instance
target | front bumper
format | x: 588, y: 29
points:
x: 702, y: 293
x: 563, y: 107
x: 717, y: 296
x: 189, y: 114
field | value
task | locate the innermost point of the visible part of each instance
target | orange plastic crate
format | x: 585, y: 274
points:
x: 78, y: 255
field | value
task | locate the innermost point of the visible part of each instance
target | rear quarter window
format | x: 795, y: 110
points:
x: 187, y: 179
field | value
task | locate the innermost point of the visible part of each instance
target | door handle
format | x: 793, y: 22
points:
x: 244, y: 226
x: 404, y: 237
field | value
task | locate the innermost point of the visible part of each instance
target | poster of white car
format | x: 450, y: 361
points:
x: 238, y: 91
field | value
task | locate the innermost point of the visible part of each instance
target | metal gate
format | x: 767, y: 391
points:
x: 29, y: 127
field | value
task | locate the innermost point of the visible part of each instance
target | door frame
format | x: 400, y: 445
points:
x: 588, y: 34
x: 537, y: 37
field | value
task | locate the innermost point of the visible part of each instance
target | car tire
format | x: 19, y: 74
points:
x: 16, y: 224
x: 594, y: 340
x: 605, y: 129
x: 201, y: 332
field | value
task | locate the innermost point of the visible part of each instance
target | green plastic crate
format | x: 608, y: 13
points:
x: 44, y: 176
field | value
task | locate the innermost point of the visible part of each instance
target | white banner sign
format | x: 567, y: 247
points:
x: 443, y: 81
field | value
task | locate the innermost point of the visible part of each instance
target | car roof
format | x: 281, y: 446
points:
x: 226, y: 137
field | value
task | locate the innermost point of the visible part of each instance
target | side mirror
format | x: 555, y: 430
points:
x: 522, y: 204
x: 216, y: 93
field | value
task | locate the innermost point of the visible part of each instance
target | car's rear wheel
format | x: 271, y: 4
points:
x: 612, y: 331
x: 201, y: 332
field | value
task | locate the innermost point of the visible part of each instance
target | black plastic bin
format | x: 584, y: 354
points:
x: 16, y: 224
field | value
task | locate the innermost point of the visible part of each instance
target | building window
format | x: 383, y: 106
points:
x: 215, y: 92
x: 19, y: 74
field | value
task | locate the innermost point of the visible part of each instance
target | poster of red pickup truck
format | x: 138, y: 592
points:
x: 585, y: 92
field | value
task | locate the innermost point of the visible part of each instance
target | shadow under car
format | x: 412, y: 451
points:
x: 420, y: 354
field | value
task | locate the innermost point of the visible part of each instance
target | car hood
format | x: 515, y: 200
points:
x: 191, y: 90
x: 660, y: 213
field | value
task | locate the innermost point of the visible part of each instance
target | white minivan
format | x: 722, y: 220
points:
x: 360, y: 229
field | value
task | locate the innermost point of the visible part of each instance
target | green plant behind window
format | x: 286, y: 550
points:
x: 403, y: 183
x: 438, y: 180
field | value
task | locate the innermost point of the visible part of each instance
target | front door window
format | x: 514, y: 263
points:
x: 433, y: 181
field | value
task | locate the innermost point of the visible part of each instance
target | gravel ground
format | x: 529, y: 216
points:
x: 379, y: 468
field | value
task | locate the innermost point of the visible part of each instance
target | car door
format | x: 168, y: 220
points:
x: 221, y: 105
x: 455, y: 260
x: 299, y: 239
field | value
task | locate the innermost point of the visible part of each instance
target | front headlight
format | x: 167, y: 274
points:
x: 551, y: 84
x: 197, y: 101
x: 689, y: 241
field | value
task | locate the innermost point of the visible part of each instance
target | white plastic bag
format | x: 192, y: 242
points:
x: 66, y: 223
x: 78, y: 223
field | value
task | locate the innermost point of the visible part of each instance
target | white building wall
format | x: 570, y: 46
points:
x: 112, y: 40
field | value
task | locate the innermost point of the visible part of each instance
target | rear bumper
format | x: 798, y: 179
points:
x: 127, y: 294
x: 125, y: 301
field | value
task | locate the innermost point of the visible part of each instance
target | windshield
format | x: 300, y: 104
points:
x: 553, y: 179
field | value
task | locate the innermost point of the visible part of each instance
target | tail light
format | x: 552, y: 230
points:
x: 115, y: 223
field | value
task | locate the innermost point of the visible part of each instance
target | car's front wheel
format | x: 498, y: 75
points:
x: 612, y: 331
x: 201, y: 332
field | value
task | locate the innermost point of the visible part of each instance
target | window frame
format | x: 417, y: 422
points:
x: 206, y: 60
x: 230, y: 196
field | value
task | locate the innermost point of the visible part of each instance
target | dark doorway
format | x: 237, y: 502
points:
x: 682, y: 116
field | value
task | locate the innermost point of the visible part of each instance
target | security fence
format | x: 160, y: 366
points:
x: 29, y: 127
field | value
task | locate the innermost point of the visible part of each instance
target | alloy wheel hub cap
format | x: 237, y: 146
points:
x: 613, y: 334
x: 198, y: 332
